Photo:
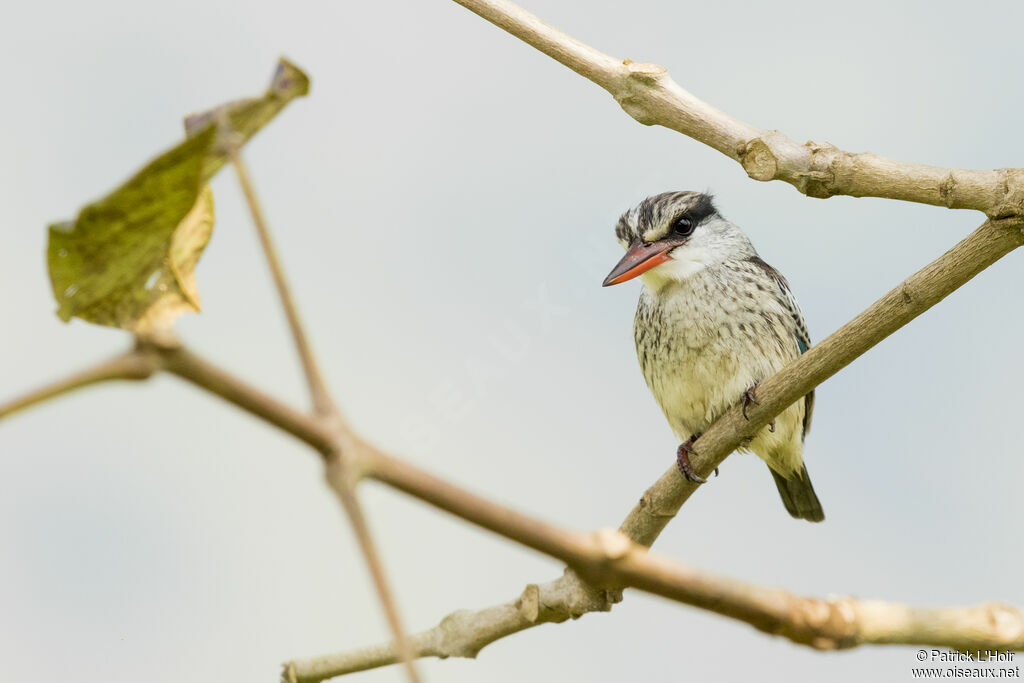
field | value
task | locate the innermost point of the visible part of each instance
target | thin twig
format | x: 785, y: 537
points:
x: 344, y: 488
x: 322, y: 403
x: 132, y: 365
x: 648, y: 94
x: 317, y: 432
x: 339, y: 473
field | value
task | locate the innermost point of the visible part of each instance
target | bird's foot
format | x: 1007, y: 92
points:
x: 683, y: 454
x: 749, y: 396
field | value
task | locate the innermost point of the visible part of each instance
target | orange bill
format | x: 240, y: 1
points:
x: 640, y: 257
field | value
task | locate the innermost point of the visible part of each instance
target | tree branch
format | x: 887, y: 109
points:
x: 136, y: 364
x: 185, y: 364
x: 922, y: 290
x: 343, y: 485
x: 608, y: 558
x: 322, y: 403
x: 466, y: 632
x: 648, y: 94
x: 613, y: 560
x: 325, y: 409
x: 617, y: 559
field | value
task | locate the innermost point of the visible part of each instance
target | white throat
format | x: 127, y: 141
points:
x: 685, y: 262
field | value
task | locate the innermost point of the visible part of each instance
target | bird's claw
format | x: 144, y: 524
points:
x: 683, y: 462
x: 749, y: 396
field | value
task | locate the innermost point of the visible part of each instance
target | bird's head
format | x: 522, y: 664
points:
x: 671, y: 236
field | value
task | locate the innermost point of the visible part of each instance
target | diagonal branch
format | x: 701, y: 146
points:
x: 180, y: 361
x: 327, y: 412
x: 322, y: 403
x: 464, y: 633
x: 648, y: 94
x: 340, y: 479
x: 919, y: 292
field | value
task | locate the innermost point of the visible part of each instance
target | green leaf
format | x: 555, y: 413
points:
x: 103, y: 267
x: 128, y: 260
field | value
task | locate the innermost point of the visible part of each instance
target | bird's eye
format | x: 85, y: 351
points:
x: 683, y: 226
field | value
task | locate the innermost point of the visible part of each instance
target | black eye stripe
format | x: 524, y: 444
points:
x: 647, y: 220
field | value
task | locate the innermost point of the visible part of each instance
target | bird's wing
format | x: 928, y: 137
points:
x: 803, y: 338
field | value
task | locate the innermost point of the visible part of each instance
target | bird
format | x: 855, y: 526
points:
x: 713, y: 321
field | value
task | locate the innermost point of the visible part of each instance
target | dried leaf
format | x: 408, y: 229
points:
x: 128, y: 260
x: 105, y: 266
x: 174, y: 282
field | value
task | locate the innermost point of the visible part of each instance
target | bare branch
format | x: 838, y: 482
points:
x: 344, y: 487
x: 187, y: 365
x: 549, y: 539
x: 153, y: 354
x: 322, y: 403
x: 134, y: 365
x: 328, y: 436
x: 340, y: 478
x: 465, y: 632
x: 612, y: 559
x: 604, y: 562
x: 648, y: 94
x: 660, y: 503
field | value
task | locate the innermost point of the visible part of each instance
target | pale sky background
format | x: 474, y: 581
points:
x: 441, y: 180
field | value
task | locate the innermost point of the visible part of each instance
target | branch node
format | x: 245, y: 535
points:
x: 1005, y: 622
x: 647, y: 73
x: 823, y: 643
x: 819, y: 180
x: 613, y: 544
x: 579, y: 597
x: 634, y: 92
x: 1011, y: 201
x: 453, y: 638
x: 947, y: 189
x: 528, y: 603
x: 822, y: 624
x: 157, y: 341
x: 758, y: 160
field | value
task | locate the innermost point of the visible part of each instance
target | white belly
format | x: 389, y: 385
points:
x: 698, y: 361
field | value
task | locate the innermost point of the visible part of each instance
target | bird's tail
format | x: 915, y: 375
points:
x: 798, y: 495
